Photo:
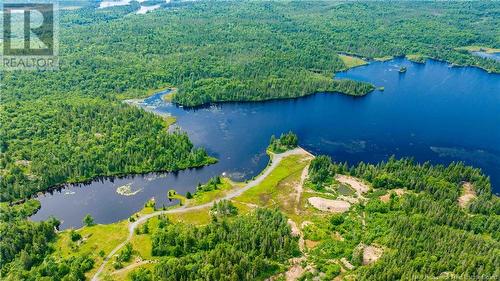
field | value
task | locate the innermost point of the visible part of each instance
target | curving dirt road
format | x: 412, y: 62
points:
x: 276, y: 159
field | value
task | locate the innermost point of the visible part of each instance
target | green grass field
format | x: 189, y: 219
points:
x: 386, y: 58
x: 208, y: 196
x: 480, y: 49
x: 351, y: 61
x: 278, y: 190
x: 97, y: 241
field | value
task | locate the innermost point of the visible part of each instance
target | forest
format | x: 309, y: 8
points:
x: 443, y: 183
x: 285, y: 142
x: 431, y: 233
x: 50, y: 142
x: 424, y: 232
x: 270, y: 50
x: 247, y: 247
x: 71, y: 125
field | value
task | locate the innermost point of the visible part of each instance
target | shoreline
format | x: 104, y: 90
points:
x: 66, y: 185
x: 136, y: 102
x: 368, y: 60
x: 275, y: 160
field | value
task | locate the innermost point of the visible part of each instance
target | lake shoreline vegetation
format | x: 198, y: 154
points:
x: 284, y: 79
x: 72, y: 125
x: 480, y: 49
x: 286, y: 141
x: 334, y: 244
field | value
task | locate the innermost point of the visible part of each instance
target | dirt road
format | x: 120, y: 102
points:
x: 276, y: 159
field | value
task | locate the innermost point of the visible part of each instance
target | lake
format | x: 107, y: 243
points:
x: 433, y: 112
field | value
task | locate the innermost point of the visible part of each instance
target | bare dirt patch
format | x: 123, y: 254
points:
x: 305, y: 223
x: 293, y: 226
x: 399, y: 191
x: 468, y: 193
x: 310, y: 244
x: 347, y: 264
x: 328, y: 205
x: 387, y: 197
x: 336, y: 236
x: 299, y: 188
x: 355, y: 183
x: 296, y: 232
x: 371, y: 254
x: 294, y: 272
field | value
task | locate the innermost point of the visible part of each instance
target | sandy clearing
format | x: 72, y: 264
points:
x: 293, y: 226
x: 355, y: 183
x: 328, y: 205
x: 468, y: 194
x: 399, y: 191
x: 137, y: 263
x: 310, y: 244
x: 371, y: 254
x: 305, y: 223
x: 347, y: 264
x: 387, y: 197
x: 336, y: 235
x: 299, y: 188
x: 294, y: 272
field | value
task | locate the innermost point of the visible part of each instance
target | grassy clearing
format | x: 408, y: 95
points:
x: 279, y: 188
x: 196, y: 217
x: 386, y: 58
x: 101, y: 237
x: 243, y: 208
x: 140, y: 94
x: 170, y: 96
x: 351, y: 61
x: 142, y: 244
x: 223, y: 188
x: 480, y: 49
x: 170, y: 120
x: 97, y: 241
x: 416, y: 58
x: 123, y: 274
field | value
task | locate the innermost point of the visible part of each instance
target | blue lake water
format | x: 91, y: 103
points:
x: 432, y: 112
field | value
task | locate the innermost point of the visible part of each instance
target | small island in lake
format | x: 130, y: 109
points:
x: 126, y: 190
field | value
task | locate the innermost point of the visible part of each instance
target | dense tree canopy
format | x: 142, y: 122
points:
x: 50, y: 142
x: 425, y: 234
x: 248, y: 247
x: 70, y: 123
x: 320, y: 171
x: 283, y: 143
